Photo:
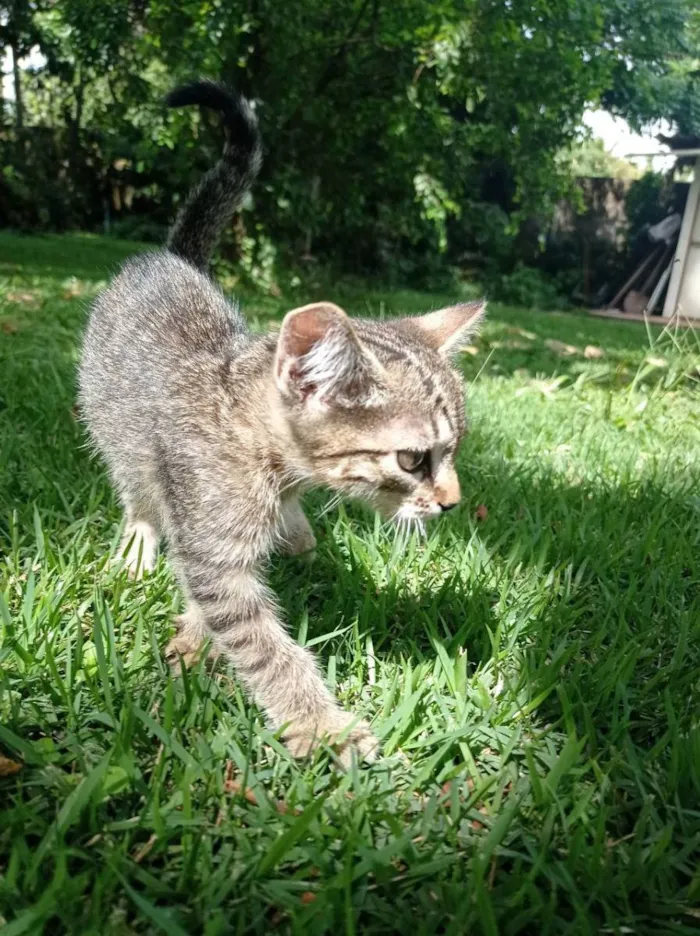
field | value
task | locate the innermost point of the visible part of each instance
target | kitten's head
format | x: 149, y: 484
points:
x: 376, y: 409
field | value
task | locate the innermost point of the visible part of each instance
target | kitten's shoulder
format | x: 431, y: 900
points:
x: 161, y: 291
x: 156, y: 268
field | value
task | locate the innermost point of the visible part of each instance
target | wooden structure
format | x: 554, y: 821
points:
x: 673, y: 266
x: 683, y: 296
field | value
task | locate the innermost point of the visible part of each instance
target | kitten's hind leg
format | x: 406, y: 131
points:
x: 139, y: 545
x: 296, y: 535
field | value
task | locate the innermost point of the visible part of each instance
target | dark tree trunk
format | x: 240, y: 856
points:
x: 19, y: 106
x: 79, y: 102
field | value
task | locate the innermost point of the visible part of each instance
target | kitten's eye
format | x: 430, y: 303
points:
x: 413, y: 462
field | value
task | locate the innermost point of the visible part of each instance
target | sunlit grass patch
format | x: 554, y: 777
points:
x: 532, y: 665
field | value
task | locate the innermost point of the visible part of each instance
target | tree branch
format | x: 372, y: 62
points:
x: 329, y: 71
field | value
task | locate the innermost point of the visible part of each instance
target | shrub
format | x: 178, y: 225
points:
x: 525, y: 286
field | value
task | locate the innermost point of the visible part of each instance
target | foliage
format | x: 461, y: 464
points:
x: 532, y: 669
x: 258, y: 261
x: 388, y: 127
x: 527, y: 287
x: 664, y: 82
x: 589, y: 159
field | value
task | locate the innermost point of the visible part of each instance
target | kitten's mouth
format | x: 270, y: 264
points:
x: 409, y: 517
x: 397, y: 512
x: 422, y: 513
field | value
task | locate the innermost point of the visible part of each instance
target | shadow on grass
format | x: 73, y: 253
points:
x: 601, y: 584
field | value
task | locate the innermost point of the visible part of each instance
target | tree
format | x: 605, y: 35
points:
x: 397, y: 132
x: 590, y: 159
x: 18, y: 33
x: 655, y: 72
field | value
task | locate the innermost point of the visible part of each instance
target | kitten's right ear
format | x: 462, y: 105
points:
x: 447, y: 330
x: 320, y: 359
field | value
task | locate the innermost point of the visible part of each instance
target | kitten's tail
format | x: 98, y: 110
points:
x: 211, y: 204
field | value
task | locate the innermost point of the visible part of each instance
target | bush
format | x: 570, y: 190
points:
x: 139, y: 228
x: 482, y: 233
x: 525, y: 286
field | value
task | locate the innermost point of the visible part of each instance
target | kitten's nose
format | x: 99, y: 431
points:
x: 446, y: 491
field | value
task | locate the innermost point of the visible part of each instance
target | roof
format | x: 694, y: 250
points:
x: 694, y: 151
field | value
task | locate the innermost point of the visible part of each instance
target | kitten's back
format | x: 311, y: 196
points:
x: 159, y: 296
x: 157, y: 317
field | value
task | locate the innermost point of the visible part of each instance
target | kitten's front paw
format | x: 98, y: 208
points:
x: 182, y: 647
x: 133, y: 562
x: 302, y: 737
x: 137, y: 552
x: 301, y: 543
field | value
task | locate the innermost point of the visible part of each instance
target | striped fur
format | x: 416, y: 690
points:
x: 211, y: 434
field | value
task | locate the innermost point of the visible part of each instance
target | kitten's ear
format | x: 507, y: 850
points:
x: 320, y: 358
x: 450, y: 329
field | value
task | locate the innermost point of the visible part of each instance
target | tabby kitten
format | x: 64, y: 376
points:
x: 211, y: 434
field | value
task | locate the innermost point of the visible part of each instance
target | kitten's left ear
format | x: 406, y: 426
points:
x: 320, y: 360
x: 450, y: 329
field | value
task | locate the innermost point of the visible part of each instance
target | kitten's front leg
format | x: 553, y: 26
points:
x: 240, y: 615
x: 138, y: 548
x: 296, y: 535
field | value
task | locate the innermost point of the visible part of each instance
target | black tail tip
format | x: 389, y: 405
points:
x: 205, y: 93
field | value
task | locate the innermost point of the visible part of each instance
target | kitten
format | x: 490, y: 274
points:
x: 211, y: 434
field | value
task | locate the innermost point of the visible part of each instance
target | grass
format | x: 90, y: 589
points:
x: 533, y: 668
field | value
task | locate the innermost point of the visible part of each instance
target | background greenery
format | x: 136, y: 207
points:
x: 532, y: 667
x: 402, y: 137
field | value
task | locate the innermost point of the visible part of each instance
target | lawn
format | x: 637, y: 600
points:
x: 532, y: 667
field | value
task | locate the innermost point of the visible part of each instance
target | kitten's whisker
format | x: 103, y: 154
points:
x: 290, y: 481
x: 393, y: 522
x: 331, y: 505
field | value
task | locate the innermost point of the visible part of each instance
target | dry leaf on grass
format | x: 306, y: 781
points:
x: 446, y: 790
x: 22, y: 298
x: 514, y: 330
x: 73, y: 288
x: 546, y: 387
x: 308, y: 897
x: 514, y: 345
x: 593, y: 353
x: 8, y: 327
x: 236, y: 789
x: 471, y: 349
x: 144, y: 849
x: 560, y: 347
x: 481, y: 512
x: 475, y: 822
x: 8, y: 767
